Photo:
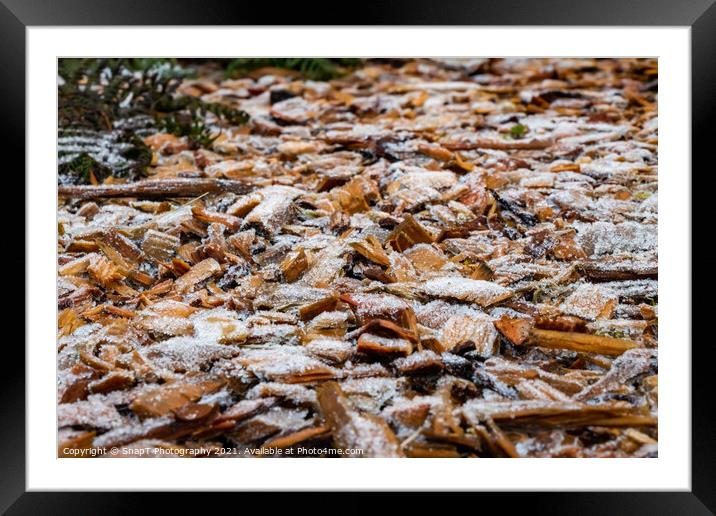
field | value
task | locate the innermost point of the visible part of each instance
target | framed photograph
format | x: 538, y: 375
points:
x: 428, y: 237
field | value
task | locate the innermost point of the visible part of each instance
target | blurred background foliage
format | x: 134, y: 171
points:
x: 106, y: 106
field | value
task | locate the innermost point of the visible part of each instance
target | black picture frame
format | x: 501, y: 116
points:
x: 17, y: 15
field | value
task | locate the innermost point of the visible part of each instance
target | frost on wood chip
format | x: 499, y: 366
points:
x: 483, y: 293
x: 420, y: 258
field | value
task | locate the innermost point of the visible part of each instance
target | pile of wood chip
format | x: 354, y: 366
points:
x: 424, y: 258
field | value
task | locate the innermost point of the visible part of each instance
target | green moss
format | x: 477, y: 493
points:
x: 612, y: 332
x: 518, y: 131
x: 642, y: 195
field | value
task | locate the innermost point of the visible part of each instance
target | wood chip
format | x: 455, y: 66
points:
x: 198, y: 273
x: 352, y: 430
x: 582, y: 342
